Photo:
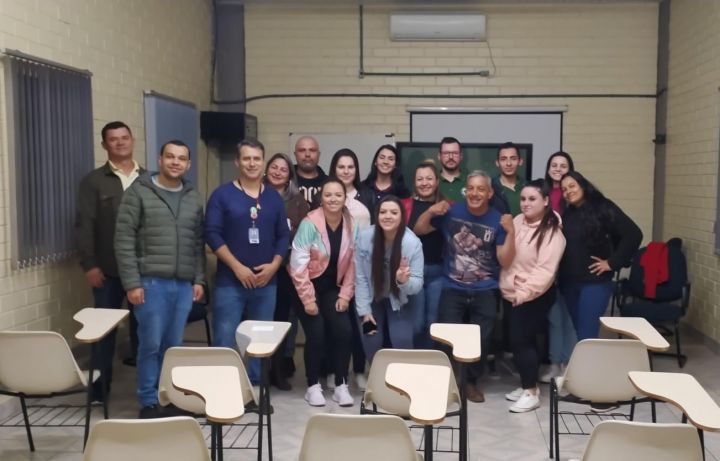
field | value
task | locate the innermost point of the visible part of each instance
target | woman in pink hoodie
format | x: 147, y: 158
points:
x: 527, y: 286
x: 322, y: 268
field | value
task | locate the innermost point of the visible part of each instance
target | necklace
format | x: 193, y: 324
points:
x: 253, y: 210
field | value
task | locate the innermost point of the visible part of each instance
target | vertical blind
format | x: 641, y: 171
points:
x: 50, y: 115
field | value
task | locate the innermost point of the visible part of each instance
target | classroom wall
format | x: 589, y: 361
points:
x: 693, y: 124
x: 129, y: 46
x: 545, y: 49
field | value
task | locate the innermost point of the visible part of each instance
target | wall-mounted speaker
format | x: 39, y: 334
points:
x: 227, y: 127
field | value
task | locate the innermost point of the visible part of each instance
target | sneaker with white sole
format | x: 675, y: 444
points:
x: 514, y: 395
x: 314, y: 396
x: 527, y: 402
x: 552, y: 371
x: 330, y: 381
x: 361, y: 381
x: 342, y: 396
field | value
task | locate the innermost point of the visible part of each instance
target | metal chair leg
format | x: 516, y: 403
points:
x: 652, y: 410
x: 27, y: 423
x: 89, y: 395
x: 213, y: 443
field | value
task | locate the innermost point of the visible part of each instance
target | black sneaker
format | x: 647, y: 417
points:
x: 171, y: 410
x: 130, y: 362
x: 150, y: 412
x: 603, y: 407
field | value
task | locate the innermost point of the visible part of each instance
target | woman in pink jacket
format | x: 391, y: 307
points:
x: 528, y: 286
x: 322, y: 268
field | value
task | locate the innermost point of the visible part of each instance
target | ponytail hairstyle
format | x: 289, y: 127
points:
x: 549, y: 221
x: 378, y: 252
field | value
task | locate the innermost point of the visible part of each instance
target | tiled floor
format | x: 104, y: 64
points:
x: 494, y: 433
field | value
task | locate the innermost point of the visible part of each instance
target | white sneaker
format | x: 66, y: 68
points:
x: 342, y: 396
x: 527, y: 402
x: 314, y: 396
x: 361, y: 381
x: 552, y: 371
x: 515, y: 395
x: 330, y: 381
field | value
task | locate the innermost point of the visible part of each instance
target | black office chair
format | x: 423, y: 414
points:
x: 671, y: 299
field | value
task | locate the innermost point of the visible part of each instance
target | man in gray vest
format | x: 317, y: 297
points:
x: 160, y: 252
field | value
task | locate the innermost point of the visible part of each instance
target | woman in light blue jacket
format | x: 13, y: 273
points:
x: 389, y: 268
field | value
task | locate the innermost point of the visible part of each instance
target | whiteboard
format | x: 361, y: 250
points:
x: 364, y: 145
x: 166, y: 119
x: 543, y: 130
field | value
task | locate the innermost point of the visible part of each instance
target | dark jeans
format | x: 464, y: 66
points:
x: 525, y: 322
x: 111, y: 295
x: 327, y: 332
x: 286, y: 303
x: 586, y: 303
x: 478, y: 307
x: 394, y: 328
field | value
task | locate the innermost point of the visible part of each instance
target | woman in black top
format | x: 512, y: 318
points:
x: 426, y: 303
x: 601, y: 239
x: 385, y: 177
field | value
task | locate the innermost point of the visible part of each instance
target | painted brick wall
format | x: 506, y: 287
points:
x: 692, y: 151
x: 566, y: 49
x: 129, y: 46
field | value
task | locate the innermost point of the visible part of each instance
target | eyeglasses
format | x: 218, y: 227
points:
x: 450, y: 154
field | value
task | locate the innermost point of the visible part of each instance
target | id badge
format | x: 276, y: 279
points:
x: 254, y: 236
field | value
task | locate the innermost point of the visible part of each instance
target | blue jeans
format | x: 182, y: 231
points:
x: 230, y: 305
x: 561, y: 332
x: 110, y: 295
x: 394, y: 328
x: 425, y: 306
x: 161, y: 323
x: 586, y: 303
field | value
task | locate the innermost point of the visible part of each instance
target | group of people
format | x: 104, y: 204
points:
x: 361, y: 265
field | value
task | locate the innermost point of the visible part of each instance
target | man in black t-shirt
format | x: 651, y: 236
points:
x: 309, y: 175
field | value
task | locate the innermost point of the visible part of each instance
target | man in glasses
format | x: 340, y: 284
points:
x: 452, y: 176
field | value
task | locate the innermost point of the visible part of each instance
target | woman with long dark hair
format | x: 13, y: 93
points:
x: 322, y: 268
x: 389, y: 265
x: 385, y: 177
x: 426, y: 303
x: 561, y: 331
x: 528, y: 286
x: 601, y: 239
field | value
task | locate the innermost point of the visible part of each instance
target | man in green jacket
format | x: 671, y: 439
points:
x: 159, y: 247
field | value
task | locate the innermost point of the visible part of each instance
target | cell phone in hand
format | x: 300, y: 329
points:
x: 368, y: 327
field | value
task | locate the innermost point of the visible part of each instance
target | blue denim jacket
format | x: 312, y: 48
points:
x: 411, y: 249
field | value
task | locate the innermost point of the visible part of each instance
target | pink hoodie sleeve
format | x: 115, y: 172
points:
x: 542, y: 276
x: 347, y: 289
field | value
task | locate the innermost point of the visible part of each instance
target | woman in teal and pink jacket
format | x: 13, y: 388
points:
x: 322, y: 268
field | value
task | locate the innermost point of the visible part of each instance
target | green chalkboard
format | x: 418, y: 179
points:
x: 475, y: 157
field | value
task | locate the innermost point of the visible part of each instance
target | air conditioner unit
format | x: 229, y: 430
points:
x: 437, y: 26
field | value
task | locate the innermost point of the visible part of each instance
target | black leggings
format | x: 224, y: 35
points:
x: 328, y: 332
x: 526, y: 321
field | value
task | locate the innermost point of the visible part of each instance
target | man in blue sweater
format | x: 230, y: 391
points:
x: 246, y: 227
